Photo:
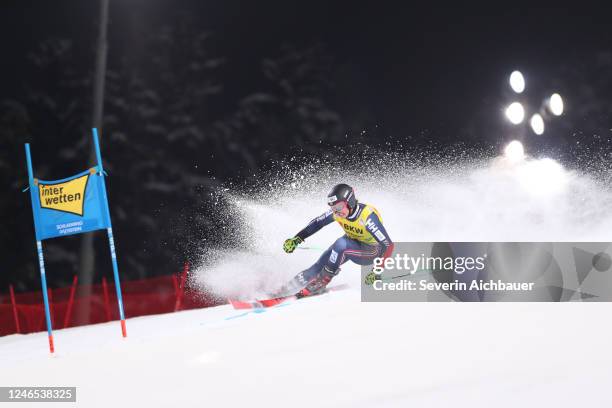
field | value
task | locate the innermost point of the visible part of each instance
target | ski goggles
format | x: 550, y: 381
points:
x: 339, y: 206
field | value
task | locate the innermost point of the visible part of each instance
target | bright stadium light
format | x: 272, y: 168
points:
x: 517, y: 81
x: 537, y: 124
x: 514, y: 151
x: 515, y: 113
x: 555, y: 103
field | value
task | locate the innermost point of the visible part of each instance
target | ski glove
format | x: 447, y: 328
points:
x: 371, y: 278
x: 292, y: 243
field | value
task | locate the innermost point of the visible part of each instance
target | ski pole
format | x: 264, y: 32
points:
x: 381, y: 278
x: 311, y: 248
x: 418, y: 271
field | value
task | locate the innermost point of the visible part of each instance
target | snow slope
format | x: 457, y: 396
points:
x: 332, y: 351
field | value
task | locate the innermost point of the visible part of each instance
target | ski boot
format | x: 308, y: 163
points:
x: 318, y: 283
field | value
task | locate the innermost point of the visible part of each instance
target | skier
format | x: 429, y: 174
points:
x: 365, y: 239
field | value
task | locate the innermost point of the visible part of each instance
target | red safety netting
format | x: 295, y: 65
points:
x: 164, y: 294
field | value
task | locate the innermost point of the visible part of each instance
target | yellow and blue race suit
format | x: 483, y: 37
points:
x: 365, y: 239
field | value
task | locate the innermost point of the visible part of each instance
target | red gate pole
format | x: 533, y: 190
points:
x: 106, y: 301
x: 179, y: 298
x: 14, y: 303
x: 176, y: 286
x: 70, y: 302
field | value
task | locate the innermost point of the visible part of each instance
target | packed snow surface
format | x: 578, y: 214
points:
x: 332, y: 351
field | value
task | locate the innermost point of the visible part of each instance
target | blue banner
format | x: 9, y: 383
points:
x: 73, y: 205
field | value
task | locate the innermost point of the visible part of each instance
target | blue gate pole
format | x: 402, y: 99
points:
x: 39, y: 248
x: 109, y: 230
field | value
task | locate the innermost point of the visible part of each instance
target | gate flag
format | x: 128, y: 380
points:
x: 69, y: 206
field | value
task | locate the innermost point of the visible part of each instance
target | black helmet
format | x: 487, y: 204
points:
x: 342, y: 192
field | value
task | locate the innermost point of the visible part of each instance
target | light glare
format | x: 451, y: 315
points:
x: 514, y: 151
x: 515, y: 113
x: 537, y: 124
x: 556, y: 104
x: 517, y: 81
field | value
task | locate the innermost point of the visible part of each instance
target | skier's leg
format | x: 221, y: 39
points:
x: 304, y: 277
x: 345, y: 249
x: 328, y: 265
x: 317, y: 276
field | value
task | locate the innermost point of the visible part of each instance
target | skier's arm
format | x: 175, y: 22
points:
x: 322, y: 220
x: 316, y: 224
x: 375, y: 227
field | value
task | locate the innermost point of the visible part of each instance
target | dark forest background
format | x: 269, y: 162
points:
x: 201, y: 94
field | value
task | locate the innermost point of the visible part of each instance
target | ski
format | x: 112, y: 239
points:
x: 240, y: 304
x: 271, y: 302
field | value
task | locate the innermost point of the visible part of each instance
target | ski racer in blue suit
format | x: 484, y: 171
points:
x: 364, y: 239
